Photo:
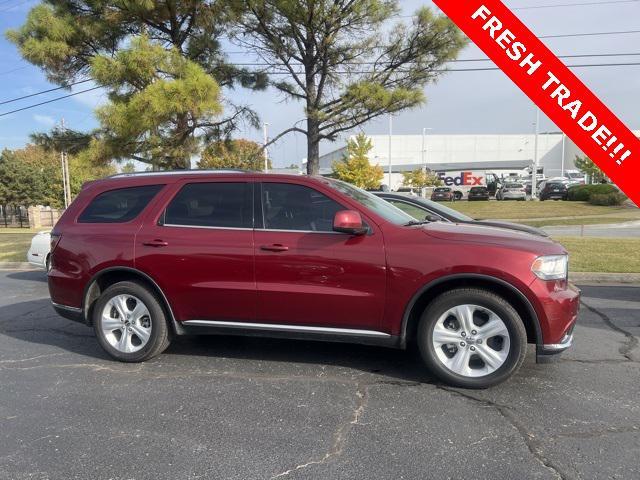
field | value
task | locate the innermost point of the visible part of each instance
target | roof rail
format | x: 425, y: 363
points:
x: 180, y: 172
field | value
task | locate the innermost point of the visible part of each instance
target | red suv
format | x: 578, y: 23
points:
x: 145, y: 257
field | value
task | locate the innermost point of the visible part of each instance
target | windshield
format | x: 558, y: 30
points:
x: 369, y: 200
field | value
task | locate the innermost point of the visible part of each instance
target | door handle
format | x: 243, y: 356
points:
x: 156, y: 243
x: 276, y: 247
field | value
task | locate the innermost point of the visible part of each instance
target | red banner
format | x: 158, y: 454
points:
x: 552, y: 87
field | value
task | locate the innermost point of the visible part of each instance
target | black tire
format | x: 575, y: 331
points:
x: 160, y: 335
x: 482, y: 298
x: 47, y: 263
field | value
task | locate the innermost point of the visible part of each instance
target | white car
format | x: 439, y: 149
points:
x: 38, y: 253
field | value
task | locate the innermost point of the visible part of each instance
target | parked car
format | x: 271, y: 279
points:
x: 421, y: 209
x: 145, y: 257
x: 407, y: 191
x: 38, y: 253
x: 478, y: 193
x: 554, y: 190
x: 512, y: 191
x: 442, y: 194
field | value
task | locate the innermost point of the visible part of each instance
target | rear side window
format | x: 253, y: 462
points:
x: 216, y: 204
x: 119, y: 206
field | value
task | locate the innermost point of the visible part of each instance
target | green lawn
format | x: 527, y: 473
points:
x: 615, y: 255
x: 530, y: 212
x: 14, y: 246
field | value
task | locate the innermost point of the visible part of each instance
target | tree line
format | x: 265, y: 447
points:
x: 166, y: 68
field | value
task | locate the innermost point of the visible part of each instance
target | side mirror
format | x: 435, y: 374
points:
x: 349, y: 221
x: 432, y: 218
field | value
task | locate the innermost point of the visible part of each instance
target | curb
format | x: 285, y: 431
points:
x: 599, y: 277
x: 18, y: 266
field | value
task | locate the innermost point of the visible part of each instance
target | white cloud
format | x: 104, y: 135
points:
x: 44, y: 120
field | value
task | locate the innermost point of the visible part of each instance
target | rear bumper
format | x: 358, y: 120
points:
x: 70, y: 313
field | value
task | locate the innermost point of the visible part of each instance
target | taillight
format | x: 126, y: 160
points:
x: 55, y: 238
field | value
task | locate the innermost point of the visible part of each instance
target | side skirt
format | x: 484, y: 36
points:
x: 298, y: 332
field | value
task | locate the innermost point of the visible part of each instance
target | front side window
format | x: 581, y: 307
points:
x: 370, y: 201
x: 215, y: 204
x: 287, y: 206
x: 119, y: 206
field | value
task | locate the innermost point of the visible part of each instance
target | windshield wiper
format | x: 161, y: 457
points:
x: 416, y: 222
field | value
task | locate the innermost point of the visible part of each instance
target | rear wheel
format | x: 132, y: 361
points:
x: 130, y: 323
x: 472, y: 338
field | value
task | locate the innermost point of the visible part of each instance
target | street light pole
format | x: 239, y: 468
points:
x: 534, y: 174
x: 66, y: 186
x: 265, y: 152
x: 563, y: 154
x: 424, y: 146
x: 390, y: 135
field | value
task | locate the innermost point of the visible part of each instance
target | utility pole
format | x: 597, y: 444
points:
x: 265, y: 133
x: 66, y: 186
x: 534, y: 174
x: 390, y: 135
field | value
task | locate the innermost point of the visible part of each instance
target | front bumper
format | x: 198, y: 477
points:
x: 561, y: 309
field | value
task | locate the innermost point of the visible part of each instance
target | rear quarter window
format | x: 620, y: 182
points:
x: 119, y: 205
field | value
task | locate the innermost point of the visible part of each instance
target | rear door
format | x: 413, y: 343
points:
x: 199, y: 249
x: 306, y: 273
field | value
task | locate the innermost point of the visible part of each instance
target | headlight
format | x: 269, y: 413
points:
x: 551, y: 267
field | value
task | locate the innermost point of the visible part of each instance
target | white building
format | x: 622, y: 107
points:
x: 501, y: 154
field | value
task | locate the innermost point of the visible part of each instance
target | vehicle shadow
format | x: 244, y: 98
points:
x: 36, y: 322
x: 29, y: 276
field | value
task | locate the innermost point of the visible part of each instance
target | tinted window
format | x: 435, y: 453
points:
x: 218, y: 204
x: 478, y: 189
x: 117, y: 206
x: 296, y: 207
x: 442, y: 190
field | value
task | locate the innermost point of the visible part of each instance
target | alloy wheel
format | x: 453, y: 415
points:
x: 471, y: 341
x: 126, y: 323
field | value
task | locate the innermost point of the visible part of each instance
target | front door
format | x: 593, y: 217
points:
x: 306, y: 273
x: 199, y: 250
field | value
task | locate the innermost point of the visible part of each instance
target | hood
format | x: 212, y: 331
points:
x: 489, y: 235
x: 512, y: 226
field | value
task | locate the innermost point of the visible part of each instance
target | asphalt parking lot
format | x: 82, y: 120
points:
x: 248, y: 408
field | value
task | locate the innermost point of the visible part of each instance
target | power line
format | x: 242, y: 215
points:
x: 465, y: 60
x: 49, y: 101
x: 11, y: 7
x: 582, y: 4
x: 590, y: 34
x: 264, y: 64
x: 480, y: 69
x: 44, y: 91
x: 6, y: 72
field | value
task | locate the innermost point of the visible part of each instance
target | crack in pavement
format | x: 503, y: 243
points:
x: 631, y: 342
x: 340, y: 436
x: 531, y: 442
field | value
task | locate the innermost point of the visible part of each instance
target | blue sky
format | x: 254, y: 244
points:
x: 471, y: 102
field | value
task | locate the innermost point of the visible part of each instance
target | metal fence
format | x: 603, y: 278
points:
x: 14, y: 216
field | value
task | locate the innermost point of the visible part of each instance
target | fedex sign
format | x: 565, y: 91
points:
x: 462, y: 178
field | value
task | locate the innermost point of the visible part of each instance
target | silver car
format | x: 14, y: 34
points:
x: 511, y: 191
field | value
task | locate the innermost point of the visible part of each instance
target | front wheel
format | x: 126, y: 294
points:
x: 130, y: 323
x: 472, y: 338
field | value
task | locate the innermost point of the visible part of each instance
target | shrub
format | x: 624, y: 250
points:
x: 607, y: 199
x: 582, y: 193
